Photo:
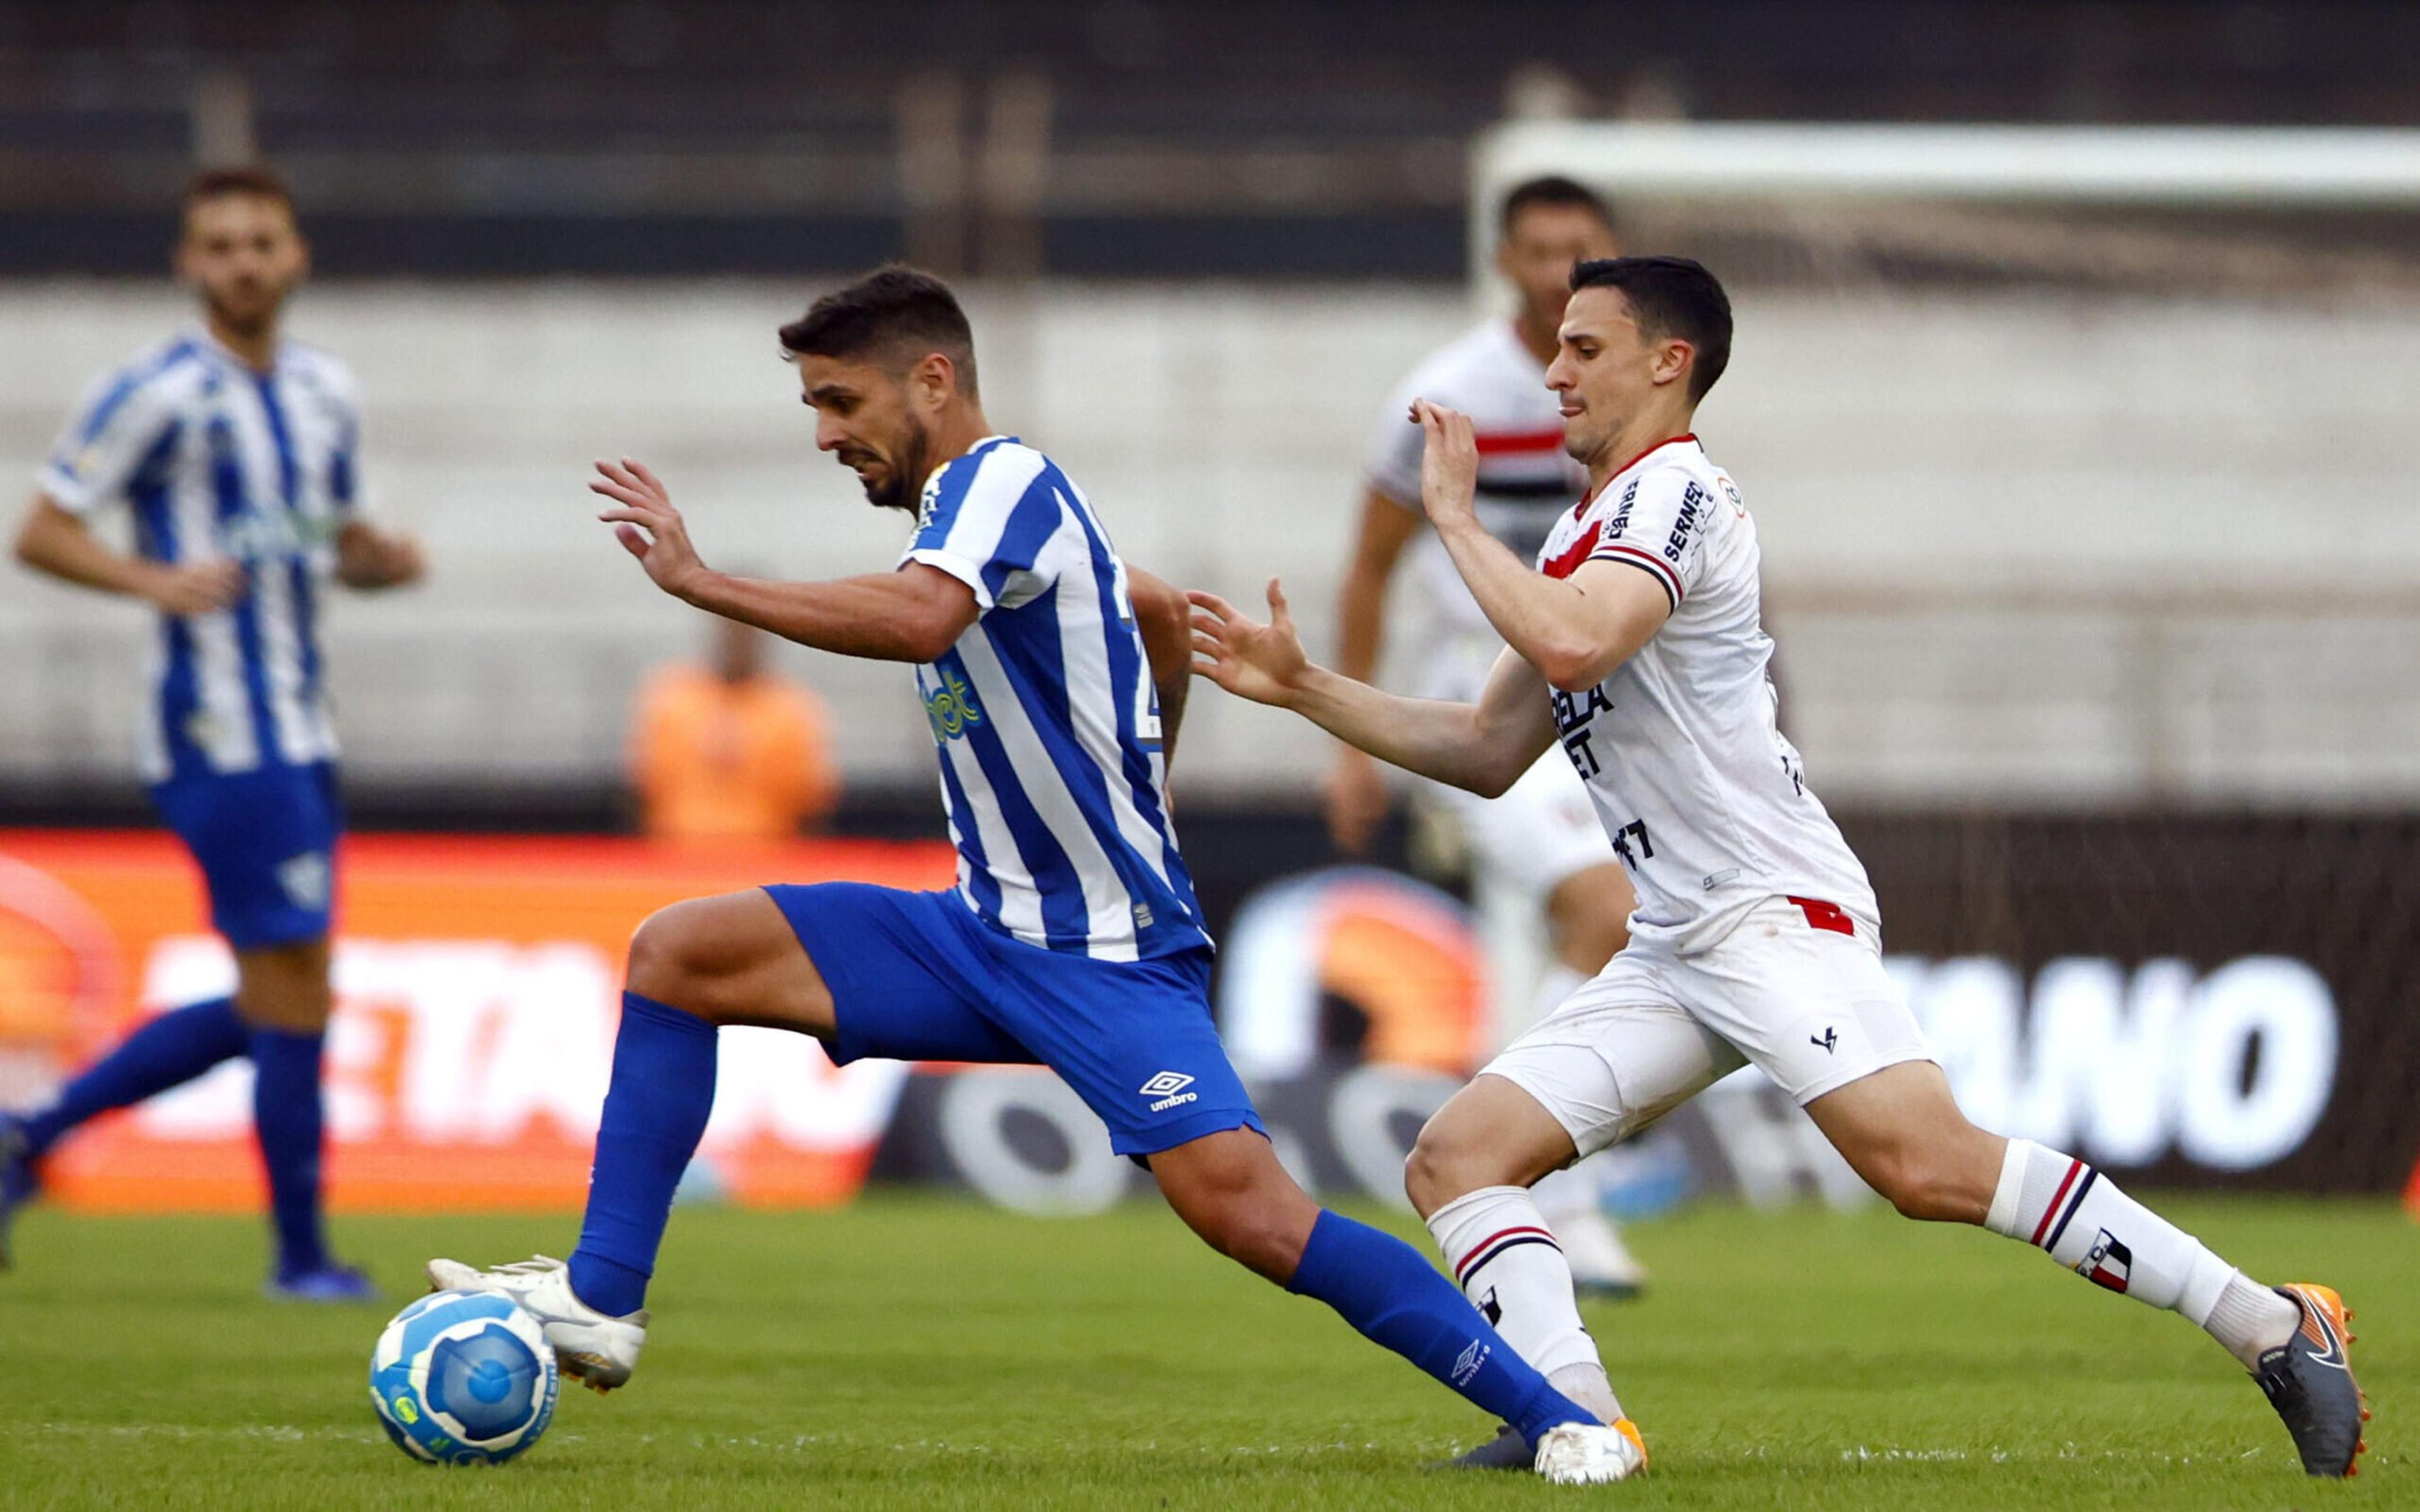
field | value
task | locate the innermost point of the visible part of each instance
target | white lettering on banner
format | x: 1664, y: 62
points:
x: 2122, y: 1069
x: 479, y: 1039
x: 2286, y: 1005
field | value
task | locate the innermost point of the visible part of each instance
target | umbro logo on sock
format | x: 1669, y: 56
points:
x: 1826, y: 1041
x: 1467, y: 1364
x: 1169, y: 1087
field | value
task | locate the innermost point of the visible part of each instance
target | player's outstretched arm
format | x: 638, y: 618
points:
x: 1482, y: 747
x: 1574, y: 631
x: 914, y: 614
x: 54, y: 542
x: 1166, y: 622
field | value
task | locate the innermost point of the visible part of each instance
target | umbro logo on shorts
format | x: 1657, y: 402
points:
x: 1169, y: 1087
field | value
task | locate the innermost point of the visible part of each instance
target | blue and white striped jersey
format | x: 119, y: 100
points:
x: 1047, y: 718
x: 217, y: 460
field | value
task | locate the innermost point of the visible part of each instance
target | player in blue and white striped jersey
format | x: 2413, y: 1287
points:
x: 1050, y: 674
x: 235, y: 454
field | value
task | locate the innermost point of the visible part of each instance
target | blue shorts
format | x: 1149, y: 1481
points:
x: 916, y: 976
x: 266, y: 841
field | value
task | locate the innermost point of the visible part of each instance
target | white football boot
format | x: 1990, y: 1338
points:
x: 601, y: 1351
x: 1602, y: 1265
x: 1590, y: 1453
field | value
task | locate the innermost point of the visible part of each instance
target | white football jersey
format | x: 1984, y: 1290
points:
x: 1704, y: 801
x: 1525, y: 484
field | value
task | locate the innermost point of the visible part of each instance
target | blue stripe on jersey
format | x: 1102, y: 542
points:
x: 1066, y: 919
x: 129, y: 383
x: 227, y: 490
x: 1038, y: 655
x: 1127, y: 667
x: 297, y: 571
x: 1031, y: 525
x: 952, y: 485
x: 979, y: 878
x: 147, y: 498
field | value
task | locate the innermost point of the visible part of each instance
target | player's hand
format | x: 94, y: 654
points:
x: 196, y: 587
x: 1357, y: 800
x: 1448, y: 463
x: 370, y: 558
x: 648, y: 525
x: 1261, y: 663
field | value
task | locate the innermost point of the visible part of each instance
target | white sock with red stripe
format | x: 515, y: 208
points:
x: 1507, y: 1262
x: 2058, y: 1203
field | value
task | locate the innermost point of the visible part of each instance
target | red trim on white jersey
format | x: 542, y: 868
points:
x: 1662, y: 570
x: 1668, y: 440
x: 1520, y: 443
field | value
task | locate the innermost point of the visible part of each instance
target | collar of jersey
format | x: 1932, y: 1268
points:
x: 1669, y: 440
x: 199, y: 334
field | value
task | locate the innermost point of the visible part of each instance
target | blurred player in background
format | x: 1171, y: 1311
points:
x: 1047, y: 668
x: 730, y: 750
x: 1535, y: 852
x: 1636, y: 642
x: 236, y: 451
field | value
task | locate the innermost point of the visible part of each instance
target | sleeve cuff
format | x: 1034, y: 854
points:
x: 1392, y: 491
x: 957, y: 566
x: 1654, y: 566
x: 62, y: 488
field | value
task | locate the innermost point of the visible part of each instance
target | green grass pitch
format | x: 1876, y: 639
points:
x: 923, y: 1352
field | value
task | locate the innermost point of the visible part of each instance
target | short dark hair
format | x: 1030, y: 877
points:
x: 1671, y: 297
x: 253, y: 180
x: 1552, y: 188
x: 895, y: 305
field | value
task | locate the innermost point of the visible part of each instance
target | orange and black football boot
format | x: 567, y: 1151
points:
x: 2309, y: 1378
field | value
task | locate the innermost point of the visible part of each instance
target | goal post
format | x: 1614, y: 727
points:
x: 2208, y: 168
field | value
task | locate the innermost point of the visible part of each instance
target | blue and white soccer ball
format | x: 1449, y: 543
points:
x: 463, y: 1378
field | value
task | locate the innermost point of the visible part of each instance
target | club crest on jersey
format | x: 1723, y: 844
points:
x: 951, y: 708
x: 2107, y: 1263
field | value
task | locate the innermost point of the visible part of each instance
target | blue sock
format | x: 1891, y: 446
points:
x: 655, y: 1114
x: 1383, y: 1287
x: 285, y: 1119
x: 166, y: 1051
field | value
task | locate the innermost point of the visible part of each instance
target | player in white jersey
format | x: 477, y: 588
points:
x: 1634, y: 642
x: 1548, y: 897
x: 1051, y: 674
x: 236, y: 454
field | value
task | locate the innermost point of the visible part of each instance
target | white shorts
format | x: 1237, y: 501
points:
x: 1811, y: 1007
x: 1542, y: 830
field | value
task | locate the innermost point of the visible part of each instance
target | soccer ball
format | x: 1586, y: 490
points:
x: 463, y: 1378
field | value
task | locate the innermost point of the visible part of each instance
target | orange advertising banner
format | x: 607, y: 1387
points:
x: 479, y: 984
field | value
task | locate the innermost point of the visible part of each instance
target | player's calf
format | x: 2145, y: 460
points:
x: 1229, y: 1188
x: 1468, y: 1177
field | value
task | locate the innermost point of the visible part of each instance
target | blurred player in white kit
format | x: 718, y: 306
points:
x: 1550, y: 896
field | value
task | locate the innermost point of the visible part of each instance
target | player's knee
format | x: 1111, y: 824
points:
x: 1923, y: 1181
x: 669, y: 960
x: 1447, y: 1162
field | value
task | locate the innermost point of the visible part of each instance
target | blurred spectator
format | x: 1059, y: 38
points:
x: 730, y: 750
